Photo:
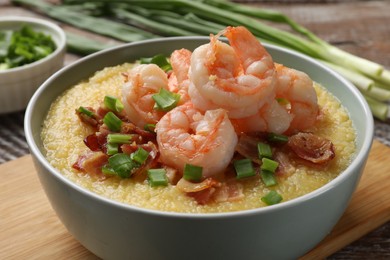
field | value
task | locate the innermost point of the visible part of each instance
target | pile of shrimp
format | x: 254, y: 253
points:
x: 226, y: 89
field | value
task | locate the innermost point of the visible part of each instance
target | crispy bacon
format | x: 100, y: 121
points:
x: 101, y: 111
x: 130, y: 128
x: 92, y: 142
x: 173, y: 175
x: 231, y: 190
x: 285, y: 168
x: 102, y: 135
x: 200, y: 191
x: 203, y: 197
x: 312, y: 148
x: 129, y: 148
x: 78, y: 165
x: 92, y: 121
x: 151, y: 161
x: 91, y: 163
x: 188, y: 187
x: 132, y: 147
x: 247, y: 147
x: 152, y: 149
x: 212, y: 190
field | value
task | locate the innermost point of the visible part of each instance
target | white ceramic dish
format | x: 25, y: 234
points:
x: 113, y: 230
x: 17, y: 85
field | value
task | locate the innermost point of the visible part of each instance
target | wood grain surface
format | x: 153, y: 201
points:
x: 361, y: 27
x: 30, y: 228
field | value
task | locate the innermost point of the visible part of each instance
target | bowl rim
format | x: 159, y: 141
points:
x: 361, y: 155
x: 60, y: 46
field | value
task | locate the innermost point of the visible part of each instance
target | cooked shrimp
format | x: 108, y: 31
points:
x: 297, y: 88
x: 186, y: 136
x: 178, y: 81
x: 238, y: 77
x: 142, y: 82
x: 180, y: 61
x: 272, y: 117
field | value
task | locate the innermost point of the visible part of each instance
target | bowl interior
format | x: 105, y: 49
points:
x: 84, y: 68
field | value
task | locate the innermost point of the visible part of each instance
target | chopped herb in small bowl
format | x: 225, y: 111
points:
x: 31, y: 50
x: 23, y: 46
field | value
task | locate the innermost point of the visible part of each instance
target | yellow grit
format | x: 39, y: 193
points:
x: 63, y: 135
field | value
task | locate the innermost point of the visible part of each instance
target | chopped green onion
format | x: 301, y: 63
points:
x: 113, y: 103
x: 166, y: 100
x: 268, y: 178
x: 272, y: 198
x: 86, y: 111
x: 150, y: 127
x: 112, y: 148
x: 24, y: 46
x: 119, y: 138
x: 192, y: 172
x: 157, y: 177
x: 140, y: 155
x: 277, y: 138
x: 112, y: 121
x: 160, y: 60
x: 122, y: 164
x: 269, y: 165
x: 108, y: 170
x: 244, y: 168
x: 264, y: 150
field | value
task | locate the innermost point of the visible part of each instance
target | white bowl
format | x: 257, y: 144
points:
x: 113, y: 230
x: 17, y: 85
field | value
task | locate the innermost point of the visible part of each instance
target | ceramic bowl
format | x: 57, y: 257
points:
x: 112, y: 230
x: 17, y: 85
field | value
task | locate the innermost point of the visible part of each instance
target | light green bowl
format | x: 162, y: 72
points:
x: 113, y: 230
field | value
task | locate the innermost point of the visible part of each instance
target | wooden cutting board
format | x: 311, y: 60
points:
x: 30, y: 229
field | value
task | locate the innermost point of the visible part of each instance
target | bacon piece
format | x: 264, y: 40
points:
x: 312, y: 148
x: 231, y: 190
x: 247, y: 147
x: 201, y: 191
x: 91, y: 163
x: 78, y: 165
x: 203, y: 197
x: 101, y: 136
x: 173, y: 175
x: 130, y: 128
x: 92, y: 121
x: 129, y: 148
x: 285, y: 167
x: 92, y: 142
x: 151, y: 161
x: 211, y: 190
x: 187, y: 186
x: 94, y: 163
x: 127, y: 128
x: 150, y: 147
x: 101, y: 111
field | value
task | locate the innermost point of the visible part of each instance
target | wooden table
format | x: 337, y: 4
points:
x: 359, y: 27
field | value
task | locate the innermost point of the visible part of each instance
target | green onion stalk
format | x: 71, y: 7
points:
x: 133, y: 20
x: 102, y: 26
